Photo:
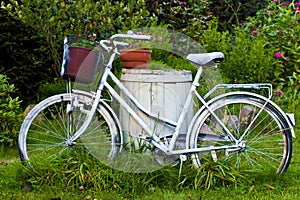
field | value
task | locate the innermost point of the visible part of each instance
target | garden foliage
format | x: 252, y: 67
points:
x: 261, y: 48
x: 265, y: 48
x: 234, y: 12
x: 24, y: 57
x: 247, y: 60
x: 279, y: 26
x: 46, y: 23
x: 102, y: 17
x: 10, y: 116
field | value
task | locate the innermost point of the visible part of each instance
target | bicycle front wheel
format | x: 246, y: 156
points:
x: 252, y: 120
x: 46, y: 131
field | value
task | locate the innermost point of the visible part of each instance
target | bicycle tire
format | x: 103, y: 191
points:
x: 44, y: 132
x: 268, y: 142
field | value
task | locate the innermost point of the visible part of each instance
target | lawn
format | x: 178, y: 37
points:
x: 165, y: 184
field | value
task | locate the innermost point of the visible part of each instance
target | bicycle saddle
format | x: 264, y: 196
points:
x: 205, y: 59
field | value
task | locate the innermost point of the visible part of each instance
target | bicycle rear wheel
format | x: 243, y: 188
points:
x: 260, y: 125
x: 46, y: 131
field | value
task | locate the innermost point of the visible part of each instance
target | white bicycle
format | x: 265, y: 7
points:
x: 242, y: 128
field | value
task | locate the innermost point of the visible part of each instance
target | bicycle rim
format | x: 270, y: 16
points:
x: 268, y: 143
x: 45, y: 132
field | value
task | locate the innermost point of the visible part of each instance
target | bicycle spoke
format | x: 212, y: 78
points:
x: 267, y: 139
x: 45, y: 134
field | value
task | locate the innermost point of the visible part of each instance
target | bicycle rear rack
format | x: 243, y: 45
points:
x: 259, y: 86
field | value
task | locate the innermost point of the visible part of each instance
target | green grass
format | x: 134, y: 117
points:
x: 100, y: 182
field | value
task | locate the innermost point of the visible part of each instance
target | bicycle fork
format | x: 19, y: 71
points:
x: 69, y: 111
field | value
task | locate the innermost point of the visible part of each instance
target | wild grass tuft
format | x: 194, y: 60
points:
x: 211, y: 175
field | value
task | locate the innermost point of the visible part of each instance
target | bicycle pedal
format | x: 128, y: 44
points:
x: 183, y: 158
x: 69, y: 108
x: 214, y: 156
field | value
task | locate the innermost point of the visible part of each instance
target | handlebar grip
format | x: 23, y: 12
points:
x: 121, y: 44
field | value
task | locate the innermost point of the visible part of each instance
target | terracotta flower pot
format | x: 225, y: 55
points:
x: 135, y: 59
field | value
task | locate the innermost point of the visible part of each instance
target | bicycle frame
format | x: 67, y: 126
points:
x: 169, y: 148
x: 151, y: 137
x: 246, y: 127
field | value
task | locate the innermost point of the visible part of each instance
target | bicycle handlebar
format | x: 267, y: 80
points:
x: 115, y: 43
x: 129, y: 35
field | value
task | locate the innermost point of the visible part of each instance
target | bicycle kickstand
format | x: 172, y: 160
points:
x: 182, y: 159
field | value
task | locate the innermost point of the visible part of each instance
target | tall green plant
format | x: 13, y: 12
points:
x: 10, y: 116
x: 23, y: 58
x: 231, y: 13
x: 279, y: 25
x: 247, y: 59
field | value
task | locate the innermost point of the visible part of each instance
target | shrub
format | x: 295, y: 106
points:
x: 189, y: 16
x: 263, y: 49
x: 10, y: 115
x: 247, y: 59
x: 49, y: 89
x: 102, y: 17
x: 24, y: 59
x: 50, y: 21
x: 232, y: 13
x: 279, y: 25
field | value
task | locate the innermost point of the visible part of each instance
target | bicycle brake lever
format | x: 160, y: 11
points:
x: 121, y: 44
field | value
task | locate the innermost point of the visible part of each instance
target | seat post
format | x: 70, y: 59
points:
x: 197, y: 77
x: 69, y: 85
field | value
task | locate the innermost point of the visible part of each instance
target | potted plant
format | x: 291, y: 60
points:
x: 138, y: 55
x: 81, y: 58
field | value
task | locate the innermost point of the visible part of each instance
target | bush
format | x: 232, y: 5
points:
x: 76, y: 18
x: 279, y: 25
x: 58, y: 86
x: 189, y: 17
x: 247, y: 59
x: 10, y: 115
x: 232, y: 13
x: 24, y: 58
x: 263, y: 49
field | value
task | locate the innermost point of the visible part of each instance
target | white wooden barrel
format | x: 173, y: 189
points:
x: 159, y: 91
